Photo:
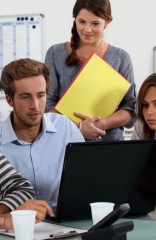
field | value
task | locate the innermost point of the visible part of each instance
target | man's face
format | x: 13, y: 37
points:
x: 29, y: 101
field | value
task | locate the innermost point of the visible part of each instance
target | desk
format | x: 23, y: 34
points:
x: 143, y: 229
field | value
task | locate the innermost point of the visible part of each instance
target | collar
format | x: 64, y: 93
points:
x: 8, y: 135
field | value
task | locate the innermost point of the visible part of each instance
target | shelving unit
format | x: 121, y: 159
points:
x: 128, y: 133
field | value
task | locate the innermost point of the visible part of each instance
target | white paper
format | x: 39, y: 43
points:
x: 43, y: 230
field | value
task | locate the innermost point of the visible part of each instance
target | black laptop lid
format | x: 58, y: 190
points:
x: 100, y: 171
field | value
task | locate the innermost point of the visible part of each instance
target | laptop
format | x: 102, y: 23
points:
x: 116, y: 171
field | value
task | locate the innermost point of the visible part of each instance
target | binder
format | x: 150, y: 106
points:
x: 96, y: 90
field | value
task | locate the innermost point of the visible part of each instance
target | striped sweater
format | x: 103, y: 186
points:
x: 14, y: 190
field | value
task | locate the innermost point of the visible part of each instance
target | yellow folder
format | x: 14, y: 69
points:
x: 96, y: 90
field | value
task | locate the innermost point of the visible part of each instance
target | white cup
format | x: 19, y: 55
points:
x: 23, y: 224
x: 100, y: 209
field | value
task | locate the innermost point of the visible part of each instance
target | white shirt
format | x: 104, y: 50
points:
x: 41, y: 162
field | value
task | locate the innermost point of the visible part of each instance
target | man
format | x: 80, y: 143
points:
x: 15, y: 193
x: 34, y: 141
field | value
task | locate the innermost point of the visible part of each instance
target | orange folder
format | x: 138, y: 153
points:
x: 96, y: 90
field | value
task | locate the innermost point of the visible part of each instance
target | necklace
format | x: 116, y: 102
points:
x: 96, y: 50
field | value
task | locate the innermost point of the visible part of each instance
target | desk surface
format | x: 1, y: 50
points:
x: 143, y: 229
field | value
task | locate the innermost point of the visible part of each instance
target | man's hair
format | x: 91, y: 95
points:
x: 22, y: 68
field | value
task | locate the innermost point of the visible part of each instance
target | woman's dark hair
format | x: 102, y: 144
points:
x: 100, y: 8
x: 149, y: 82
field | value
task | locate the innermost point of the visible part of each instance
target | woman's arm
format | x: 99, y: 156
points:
x: 41, y: 207
x: 52, y: 96
x: 15, y: 190
x: 117, y: 119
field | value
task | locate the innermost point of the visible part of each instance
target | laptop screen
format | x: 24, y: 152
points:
x: 101, y: 171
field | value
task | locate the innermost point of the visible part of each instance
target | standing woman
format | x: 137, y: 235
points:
x: 65, y: 60
x: 145, y: 127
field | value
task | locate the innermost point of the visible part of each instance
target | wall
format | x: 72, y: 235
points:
x: 132, y: 27
x: 4, y: 109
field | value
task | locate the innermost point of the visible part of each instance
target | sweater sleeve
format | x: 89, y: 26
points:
x: 14, y: 190
x: 138, y: 132
x: 129, y: 100
x: 53, y: 94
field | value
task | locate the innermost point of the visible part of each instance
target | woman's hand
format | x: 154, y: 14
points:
x: 40, y: 206
x: 6, y: 221
x: 88, y: 128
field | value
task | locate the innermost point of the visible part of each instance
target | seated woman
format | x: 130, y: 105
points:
x: 17, y: 193
x: 145, y: 127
